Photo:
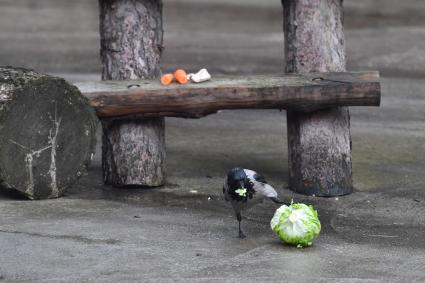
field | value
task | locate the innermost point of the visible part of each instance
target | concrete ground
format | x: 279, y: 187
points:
x: 185, y: 231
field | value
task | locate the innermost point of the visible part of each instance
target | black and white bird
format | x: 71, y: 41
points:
x: 245, y: 188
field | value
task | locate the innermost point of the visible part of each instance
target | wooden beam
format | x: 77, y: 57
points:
x: 306, y: 93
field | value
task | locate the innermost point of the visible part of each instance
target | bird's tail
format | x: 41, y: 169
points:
x: 268, y: 191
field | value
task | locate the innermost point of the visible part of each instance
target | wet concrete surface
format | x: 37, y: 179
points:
x: 185, y: 231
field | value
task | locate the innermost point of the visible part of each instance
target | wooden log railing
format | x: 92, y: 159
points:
x: 306, y: 93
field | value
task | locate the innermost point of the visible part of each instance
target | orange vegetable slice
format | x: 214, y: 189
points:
x: 181, y: 76
x: 167, y: 79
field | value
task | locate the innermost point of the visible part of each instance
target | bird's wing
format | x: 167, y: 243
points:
x: 260, y: 184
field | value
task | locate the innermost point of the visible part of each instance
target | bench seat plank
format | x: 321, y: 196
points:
x: 306, y: 93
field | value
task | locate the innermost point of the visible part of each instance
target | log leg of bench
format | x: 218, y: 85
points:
x: 128, y: 150
x: 319, y: 143
x: 131, y: 44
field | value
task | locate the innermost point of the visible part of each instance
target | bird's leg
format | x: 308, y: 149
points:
x: 239, y: 217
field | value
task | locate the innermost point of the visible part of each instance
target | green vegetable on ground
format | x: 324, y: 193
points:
x: 297, y: 224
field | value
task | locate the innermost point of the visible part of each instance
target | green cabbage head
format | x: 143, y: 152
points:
x: 297, y: 224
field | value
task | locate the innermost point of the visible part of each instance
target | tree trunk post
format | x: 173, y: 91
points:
x: 133, y: 151
x: 319, y: 143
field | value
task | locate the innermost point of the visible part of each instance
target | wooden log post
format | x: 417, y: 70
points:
x: 319, y: 142
x: 131, y: 44
x: 47, y: 133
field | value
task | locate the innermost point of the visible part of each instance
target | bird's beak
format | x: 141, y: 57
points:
x: 241, y: 184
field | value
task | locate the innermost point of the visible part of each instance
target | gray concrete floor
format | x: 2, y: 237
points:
x: 184, y: 231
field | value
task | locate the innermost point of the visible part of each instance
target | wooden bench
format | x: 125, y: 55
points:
x: 319, y: 142
x: 305, y: 93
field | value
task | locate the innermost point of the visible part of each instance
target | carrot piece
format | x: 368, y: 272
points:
x: 181, y: 76
x: 167, y: 79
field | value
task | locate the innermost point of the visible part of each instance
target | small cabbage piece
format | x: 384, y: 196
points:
x: 241, y: 192
x: 297, y: 224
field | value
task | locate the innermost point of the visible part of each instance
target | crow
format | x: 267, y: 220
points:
x: 245, y: 188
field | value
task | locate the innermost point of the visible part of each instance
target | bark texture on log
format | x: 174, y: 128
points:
x: 47, y: 133
x: 131, y: 44
x: 305, y: 93
x: 319, y: 143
